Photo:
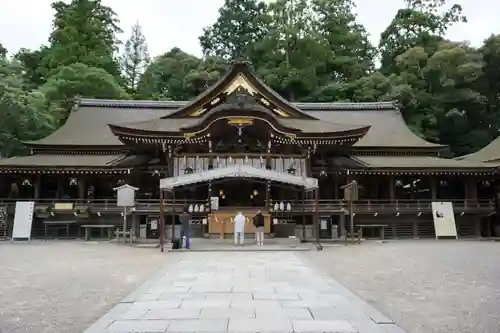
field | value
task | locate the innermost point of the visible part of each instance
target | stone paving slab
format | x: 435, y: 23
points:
x: 268, y: 292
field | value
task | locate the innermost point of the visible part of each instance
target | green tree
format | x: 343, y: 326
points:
x: 79, y: 80
x: 420, y: 23
x: 177, y: 75
x: 3, y: 51
x: 335, y: 21
x: 23, y: 113
x: 293, y: 54
x: 239, y: 25
x: 31, y: 60
x: 84, y: 31
x: 490, y: 80
x: 439, y: 94
x: 135, y: 59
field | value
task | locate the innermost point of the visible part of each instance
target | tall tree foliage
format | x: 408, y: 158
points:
x: 84, y: 31
x: 34, y: 73
x: 177, y: 75
x: 421, y: 23
x: 78, y: 80
x: 239, y: 25
x: 353, y: 55
x: 135, y: 59
x: 22, y: 112
x: 293, y: 53
x: 3, y: 51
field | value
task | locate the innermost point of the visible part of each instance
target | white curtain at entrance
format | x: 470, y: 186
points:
x: 238, y: 171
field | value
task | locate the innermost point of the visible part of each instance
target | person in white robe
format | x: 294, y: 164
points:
x: 239, y: 229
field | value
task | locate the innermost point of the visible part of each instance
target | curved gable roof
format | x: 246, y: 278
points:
x: 240, y: 76
x: 489, y: 153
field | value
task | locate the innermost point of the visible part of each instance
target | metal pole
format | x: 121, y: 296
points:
x: 162, y: 221
x: 124, y: 223
x: 316, y: 218
x: 351, y: 217
x: 173, y: 215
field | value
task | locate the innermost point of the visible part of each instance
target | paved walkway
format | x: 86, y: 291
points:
x: 242, y: 292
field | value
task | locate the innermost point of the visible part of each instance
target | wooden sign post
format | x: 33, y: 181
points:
x: 125, y: 198
x: 351, y: 191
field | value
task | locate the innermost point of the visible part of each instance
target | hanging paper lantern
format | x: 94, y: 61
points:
x: 288, y: 207
x: 221, y: 192
x: 255, y: 192
x: 276, y: 206
x: 202, y: 208
x: 196, y: 209
x: 282, y: 206
x: 190, y: 209
x: 251, y: 196
x: 223, y: 196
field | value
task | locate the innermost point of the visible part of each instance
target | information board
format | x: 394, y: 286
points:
x: 23, y: 220
x: 444, y: 220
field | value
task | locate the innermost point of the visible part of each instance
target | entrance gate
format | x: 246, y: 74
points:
x: 219, y: 221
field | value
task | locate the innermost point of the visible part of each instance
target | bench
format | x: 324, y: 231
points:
x: 63, y: 225
x: 109, y: 227
x: 123, y: 234
x: 356, y: 235
x: 381, y: 228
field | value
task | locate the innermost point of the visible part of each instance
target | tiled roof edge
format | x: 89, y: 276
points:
x: 130, y: 103
x: 391, y: 105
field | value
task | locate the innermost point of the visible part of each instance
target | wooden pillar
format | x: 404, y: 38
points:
x: 336, y: 188
x: 434, y: 187
x: 304, y: 215
x: 316, y: 214
x: 342, y: 229
x: 471, y: 188
x: 37, y: 187
x: 162, y: 220
x: 210, y: 164
x: 173, y: 214
x: 392, y: 188
x: 81, y: 188
x: 376, y: 188
x: 59, y: 187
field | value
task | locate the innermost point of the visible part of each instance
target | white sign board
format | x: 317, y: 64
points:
x: 324, y: 224
x: 154, y: 224
x: 23, y: 219
x: 444, y: 219
x: 214, y: 203
x: 125, y: 195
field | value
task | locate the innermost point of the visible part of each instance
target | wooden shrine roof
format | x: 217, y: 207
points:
x: 88, y: 124
x: 62, y: 162
x: 488, y: 154
x: 416, y: 164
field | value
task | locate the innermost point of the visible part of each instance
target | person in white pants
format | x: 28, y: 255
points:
x: 239, y: 229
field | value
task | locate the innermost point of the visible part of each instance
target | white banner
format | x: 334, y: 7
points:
x: 23, y: 220
x: 444, y: 219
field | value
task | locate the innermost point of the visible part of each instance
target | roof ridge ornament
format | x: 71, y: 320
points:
x: 241, y: 60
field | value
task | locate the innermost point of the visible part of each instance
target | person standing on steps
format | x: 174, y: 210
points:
x: 239, y: 229
x: 258, y: 222
x: 185, y: 219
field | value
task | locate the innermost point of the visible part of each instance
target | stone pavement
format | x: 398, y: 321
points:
x: 242, y: 292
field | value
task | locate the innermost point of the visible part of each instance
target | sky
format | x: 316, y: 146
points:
x: 178, y: 23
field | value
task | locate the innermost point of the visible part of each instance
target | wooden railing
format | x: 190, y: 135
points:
x: 324, y: 206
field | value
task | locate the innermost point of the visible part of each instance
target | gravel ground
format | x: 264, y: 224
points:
x: 424, y: 286
x: 63, y: 287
